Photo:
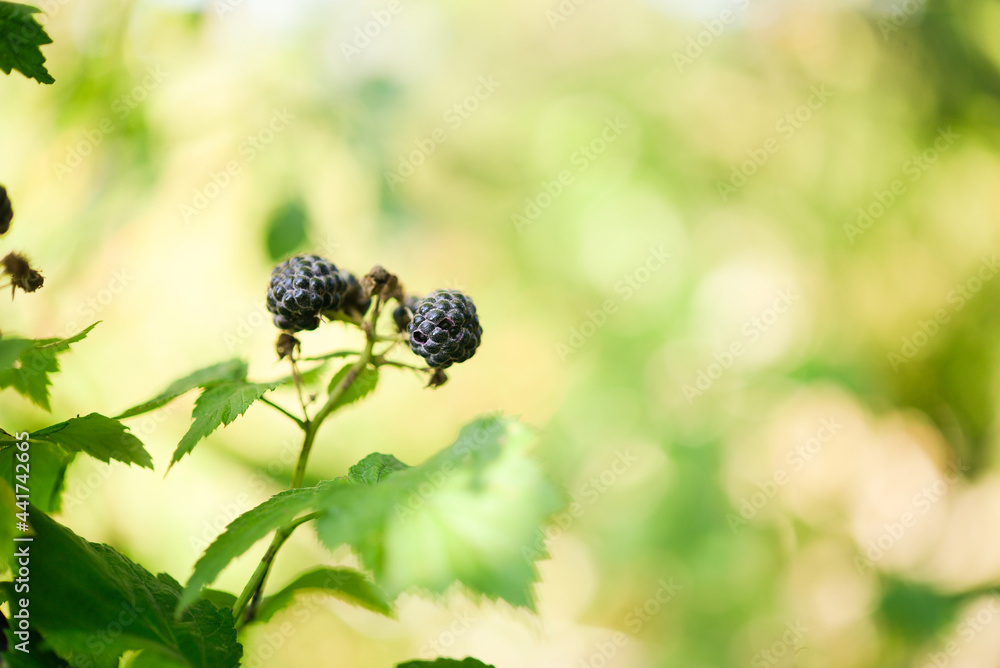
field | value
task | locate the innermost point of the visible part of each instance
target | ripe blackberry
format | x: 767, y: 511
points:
x: 445, y: 328
x: 301, y: 288
x: 354, y: 302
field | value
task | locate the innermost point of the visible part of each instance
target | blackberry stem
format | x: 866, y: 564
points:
x: 246, y: 605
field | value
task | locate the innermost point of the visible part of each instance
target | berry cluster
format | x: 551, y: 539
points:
x: 443, y: 327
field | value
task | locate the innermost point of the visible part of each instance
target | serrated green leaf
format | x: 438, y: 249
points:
x: 344, y: 583
x: 470, y: 514
x: 287, y: 229
x: 246, y: 530
x: 46, y: 472
x: 219, y: 405
x: 100, y: 437
x: 467, y: 662
x: 232, y: 370
x: 30, y: 375
x: 20, y: 37
x: 364, y: 383
x: 79, y: 590
x: 373, y: 468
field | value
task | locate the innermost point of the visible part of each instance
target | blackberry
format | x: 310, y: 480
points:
x: 301, y: 288
x: 354, y: 302
x: 6, y: 211
x: 445, y: 328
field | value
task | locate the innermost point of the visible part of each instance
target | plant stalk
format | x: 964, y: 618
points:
x: 243, y: 609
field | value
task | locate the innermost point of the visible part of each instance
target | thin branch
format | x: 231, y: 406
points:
x: 284, y: 411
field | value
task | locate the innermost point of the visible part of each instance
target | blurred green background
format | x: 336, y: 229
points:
x: 737, y: 258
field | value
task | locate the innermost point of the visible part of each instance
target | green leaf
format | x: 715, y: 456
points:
x: 218, y: 598
x: 10, y: 350
x: 20, y: 37
x: 46, y: 473
x: 364, y: 383
x: 79, y: 590
x: 219, y: 405
x: 373, y: 468
x: 233, y: 370
x: 343, y: 583
x: 30, y: 375
x: 470, y: 514
x: 467, y: 662
x: 287, y: 229
x: 244, y: 531
x: 40, y: 654
x: 100, y: 437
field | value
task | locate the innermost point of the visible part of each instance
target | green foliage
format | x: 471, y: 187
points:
x: 363, y: 385
x: 47, y: 470
x: 467, y: 662
x: 20, y: 37
x: 287, y: 229
x: 25, y: 364
x: 246, y: 530
x: 100, y: 437
x: 233, y: 370
x: 82, y: 591
x: 219, y: 405
x: 373, y: 468
x: 343, y: 583
x: 467, y: 515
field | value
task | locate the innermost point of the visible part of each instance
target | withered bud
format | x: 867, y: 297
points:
x: 21, y: 273
x: 287, y: 345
